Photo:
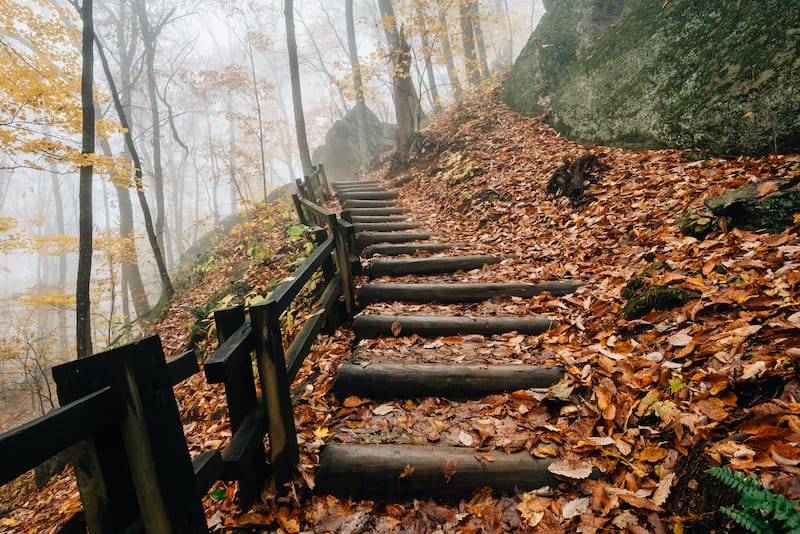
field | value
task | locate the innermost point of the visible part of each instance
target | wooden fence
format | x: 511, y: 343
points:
x: 119, y: 422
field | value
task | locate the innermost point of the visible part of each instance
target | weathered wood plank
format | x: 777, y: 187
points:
x: 208, y: 469
x: 370, y: 326
x: 422, y: 266
x: 401, y: 380
x: 353, y: 204
x: 182, y: 367
x: 379, y: 218
x: 398, y: 249
x: 452, y: 292
x: 27, y: 446
x: 368, y: 470
x: 390, y: 210
x: 385, y: 226
x: 362, y: 194
x: 245, y: 459
x: 364, y: 239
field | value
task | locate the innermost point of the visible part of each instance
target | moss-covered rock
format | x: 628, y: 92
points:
x: 657, y: 298
x: 773, y: 210
x: 565, y: 32
x: 723, y: 76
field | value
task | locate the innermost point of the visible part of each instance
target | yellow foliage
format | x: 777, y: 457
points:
x: 55, y: 300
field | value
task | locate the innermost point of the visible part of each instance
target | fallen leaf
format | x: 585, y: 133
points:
x: 561, y: 390
x: 408, y: 470
x: 383, y: 409
x: 449, y: 468
x: 575, y: 508
x: 576, y: 469
x: 396, y: 328
x: 679, y: 339
x: 652, y: 454
x: 532, y: 508
x: 322, y: 432
x: 466, y: 438
x: 663, y: 490
x: 765, y: 188
x: 353, y: 402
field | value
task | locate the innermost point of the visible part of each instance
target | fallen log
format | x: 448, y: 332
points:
x: 459, y: 292
x: 385, y: 226
x: 397, y: 249
x: 356, y: 469
x: 458, y: 380
x: 424, y: 266
x: 379, y: 218
x: 350, y: 204
x: 372, y: 326
x: 367, y: 195
x: 389, y: 210
x: 364, y: 239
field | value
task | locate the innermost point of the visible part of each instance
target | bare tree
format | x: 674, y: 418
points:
x: 447, y: 51
x: 83, y: 327
x: 297, y: 95
x: 468, y: 39
x: 358, y: 84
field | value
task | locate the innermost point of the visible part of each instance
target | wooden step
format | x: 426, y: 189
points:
x: 372, y: 326
x: 367, y: 195
x: 389, y: 210
x: 350, y: 204
x: 397, y: 249
x: 422, y: 266
x: 448, y: 292
x: 369, y: 470
x: 378, y: 218
x: 355, y: 183
x: 385, y: 226
x: 364, y: 239
x: 382, y: 380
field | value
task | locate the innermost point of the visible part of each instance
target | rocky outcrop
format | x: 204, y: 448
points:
x: 770, y: 205
x: 340, y: 153
x: 722, y: 76
x: 566, y: 31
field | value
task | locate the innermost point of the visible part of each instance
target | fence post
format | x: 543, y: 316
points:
x: 343, y: 262
x: 265, y: 319
x: 324, y: 179
x: 140, y: 467
x: 299, y: 207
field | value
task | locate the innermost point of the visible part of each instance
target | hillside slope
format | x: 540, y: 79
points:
x: 649, y: 403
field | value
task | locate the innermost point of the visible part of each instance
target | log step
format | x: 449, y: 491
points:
x: 422, y: 266
x: 388, y: 210
x: 350, y: 204
x: 399, y: 380
x: 372, y: 326
x: 378, y: 218
x: 385, y: 226
x: 368, y: 470
x: 354, y: 183
x: 364, y: 239
x: 367, y: 195
x: 458, y: 292
x: 397, y: 249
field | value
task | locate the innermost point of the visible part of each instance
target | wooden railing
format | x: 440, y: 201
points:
x: 119, y: 421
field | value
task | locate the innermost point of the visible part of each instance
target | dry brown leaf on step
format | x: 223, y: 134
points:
x: 575, y: 469
x: 396, y: 328
x: 449, y: 468
x: 408, y: 470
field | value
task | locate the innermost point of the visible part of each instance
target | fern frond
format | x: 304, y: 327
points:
x: 749, y: 521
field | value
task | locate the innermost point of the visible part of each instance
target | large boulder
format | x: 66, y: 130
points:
x: 566, y: 31
x: 340, y: 153
x: 721, y: 76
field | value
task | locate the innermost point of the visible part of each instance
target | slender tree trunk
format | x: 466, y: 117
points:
x: 297, y: 95
x: 403, y: 97
x: 475, y: 17
x: 166, y: 283
x: 149, y: 37
x: 427, y: 56
x: 358, y: 84
x: 447, y: 51
x: 259, y: 116
x: 61, y: 275
x: 83, y: 330
x: 468, y: 39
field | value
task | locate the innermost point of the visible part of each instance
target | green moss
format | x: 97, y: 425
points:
x: 657, y: 298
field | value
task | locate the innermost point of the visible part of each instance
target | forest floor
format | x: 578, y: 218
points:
x: 651, y: 402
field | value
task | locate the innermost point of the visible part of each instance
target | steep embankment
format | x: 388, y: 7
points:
x: 722, y: 77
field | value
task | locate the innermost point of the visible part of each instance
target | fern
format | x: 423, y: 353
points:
x: 762, y: 511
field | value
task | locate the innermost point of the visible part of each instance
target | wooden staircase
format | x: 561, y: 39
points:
x: 385, y: 229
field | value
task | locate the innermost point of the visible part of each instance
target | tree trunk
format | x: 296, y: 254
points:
x: 166, y: 283
x: 427, y: 56
x: 404, y: 95
x: 297, y: 95
x: 475, y: 16
x: 61, y: 279
x: 468, y: 39
x: 83, y: 330
x: 358, y: 85
x: 149, y: 37
x: 452, y: 73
